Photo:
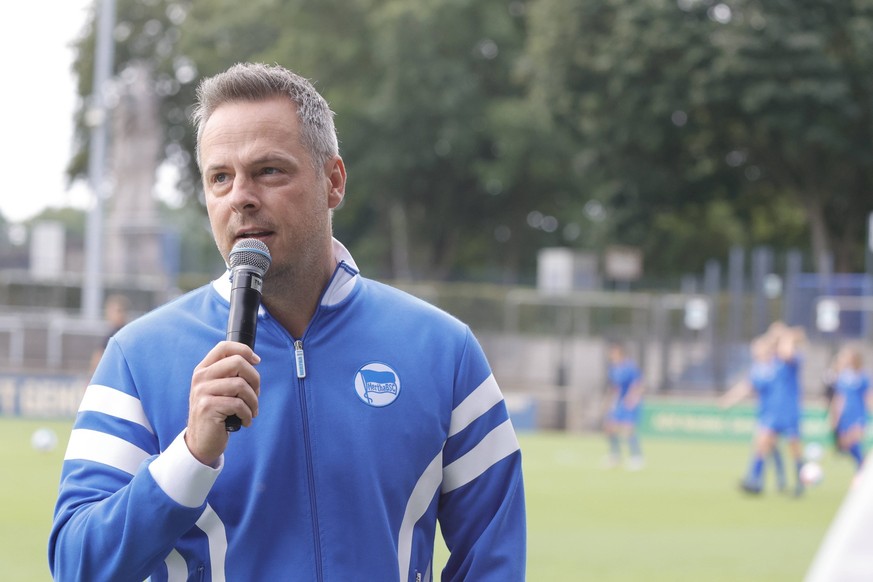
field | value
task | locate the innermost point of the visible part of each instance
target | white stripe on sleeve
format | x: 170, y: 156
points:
x: 495, y: 446
x: 177, y: 568
x: 212, y: 526
x: 92, y: 445
x: 419, y: 500
x: 116, y: 403
x: 477, y: 403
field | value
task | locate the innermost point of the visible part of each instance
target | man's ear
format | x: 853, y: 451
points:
x: 336, y: 175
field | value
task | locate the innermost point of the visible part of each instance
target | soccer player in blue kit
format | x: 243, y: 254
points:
x: 625, y: 398
x: 850, y: 406
x: 781, y: 413
x: 844, y: 553
x: 760, y: 380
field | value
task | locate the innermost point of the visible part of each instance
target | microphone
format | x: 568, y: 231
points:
x: 249, y: 261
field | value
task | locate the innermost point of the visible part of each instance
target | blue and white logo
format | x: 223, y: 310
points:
x: 377, y: 384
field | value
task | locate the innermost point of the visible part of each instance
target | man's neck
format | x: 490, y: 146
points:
x: 292, y: 300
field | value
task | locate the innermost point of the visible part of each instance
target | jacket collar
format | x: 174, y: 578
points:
x: 344, y: 278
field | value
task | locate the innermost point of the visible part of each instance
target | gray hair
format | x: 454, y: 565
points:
x: 259, y: 82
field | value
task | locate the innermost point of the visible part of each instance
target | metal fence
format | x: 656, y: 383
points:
x: 551, y: 349
x: 548, y: 350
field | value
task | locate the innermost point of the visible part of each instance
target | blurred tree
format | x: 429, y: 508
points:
x: 698, y: 120
x: 800, y: 76
x: 618, y: 75
x: 199, y: 262
x: 430, y: 116
x: 146, y: 31
x: 73, y: 220
x: 430, y: 157
x: 477, y: 132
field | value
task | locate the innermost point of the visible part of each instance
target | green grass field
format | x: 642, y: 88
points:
x: 681, y: 518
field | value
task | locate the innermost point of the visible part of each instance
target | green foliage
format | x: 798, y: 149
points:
x: 73, y: 220
x: 146, y: 31
x: 477, y: 132
x: 761, y: 105
x: 199, y: 260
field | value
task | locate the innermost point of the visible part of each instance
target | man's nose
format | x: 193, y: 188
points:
x: 244, y: 194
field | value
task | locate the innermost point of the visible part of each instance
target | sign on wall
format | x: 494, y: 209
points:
x: 41, y: 396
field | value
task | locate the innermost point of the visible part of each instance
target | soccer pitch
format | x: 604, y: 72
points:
x: 681, y: 518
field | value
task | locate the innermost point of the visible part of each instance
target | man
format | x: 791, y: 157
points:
x: 324, y: 482
x: 625, y: 398
x: 115, y: 312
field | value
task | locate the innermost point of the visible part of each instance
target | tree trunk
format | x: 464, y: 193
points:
x: 399, y: 244
x: 820, y: 239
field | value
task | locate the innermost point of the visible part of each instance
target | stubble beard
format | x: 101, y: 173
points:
x: 304, y: 269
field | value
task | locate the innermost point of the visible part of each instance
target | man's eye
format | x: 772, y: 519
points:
x: 219, y: 178
x: 270, y: 171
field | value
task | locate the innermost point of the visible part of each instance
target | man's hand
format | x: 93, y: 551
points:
x: 224, y: 383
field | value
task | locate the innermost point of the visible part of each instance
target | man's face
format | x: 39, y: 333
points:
x: 260, y: 182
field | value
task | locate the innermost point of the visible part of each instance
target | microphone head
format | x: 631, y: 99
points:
x: 251, y: 253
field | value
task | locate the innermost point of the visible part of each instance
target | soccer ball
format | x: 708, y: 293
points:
x: 811, y: 473
x: 44, y: 440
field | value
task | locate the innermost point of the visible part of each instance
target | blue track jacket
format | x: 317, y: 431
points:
x: 382, y: 419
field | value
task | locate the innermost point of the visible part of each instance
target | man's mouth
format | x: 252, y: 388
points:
x: 258, y: 234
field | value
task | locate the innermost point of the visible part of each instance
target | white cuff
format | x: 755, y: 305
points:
x: 183, y: 478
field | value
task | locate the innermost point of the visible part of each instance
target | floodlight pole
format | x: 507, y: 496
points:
x: 98, y: 118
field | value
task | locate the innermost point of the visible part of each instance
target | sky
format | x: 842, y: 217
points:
x: 38, y: 101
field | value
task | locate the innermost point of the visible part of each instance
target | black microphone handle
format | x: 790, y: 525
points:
x: 242, y: 323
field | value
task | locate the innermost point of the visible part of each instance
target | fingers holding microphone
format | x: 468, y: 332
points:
x: 224, y: 383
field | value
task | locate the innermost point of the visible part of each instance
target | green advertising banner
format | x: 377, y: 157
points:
x: 701, y: 421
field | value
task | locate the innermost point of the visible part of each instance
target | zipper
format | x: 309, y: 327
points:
x: 300, y: 369
x: 300, y: 365
x: 299, y: 362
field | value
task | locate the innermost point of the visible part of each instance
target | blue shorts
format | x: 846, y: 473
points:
x: 624, y: 415
x: 786, y: 426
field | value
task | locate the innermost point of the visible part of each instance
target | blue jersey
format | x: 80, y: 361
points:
x: 762, y: 377
x: 784, y: 405
x: 852, y: 385
x: 383, y: 418
x: 623, y: 376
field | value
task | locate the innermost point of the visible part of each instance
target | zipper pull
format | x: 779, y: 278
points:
x: 298, y: 359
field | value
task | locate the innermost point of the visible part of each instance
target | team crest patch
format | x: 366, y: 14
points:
x: 377, y: 384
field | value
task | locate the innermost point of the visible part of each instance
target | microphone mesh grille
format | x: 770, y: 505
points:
x: 250, y: 252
